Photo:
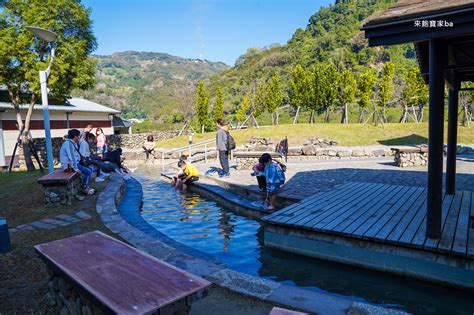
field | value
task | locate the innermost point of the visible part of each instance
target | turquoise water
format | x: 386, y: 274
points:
x: 238, y: 241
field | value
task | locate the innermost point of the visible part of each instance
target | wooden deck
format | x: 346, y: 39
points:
x: 386, y: 214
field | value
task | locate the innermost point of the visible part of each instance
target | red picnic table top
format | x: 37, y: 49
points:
x: 124, y: 279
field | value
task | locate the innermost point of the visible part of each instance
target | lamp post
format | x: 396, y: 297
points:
x: 48, y: 36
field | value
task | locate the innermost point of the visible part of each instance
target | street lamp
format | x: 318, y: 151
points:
x: 48, y: 36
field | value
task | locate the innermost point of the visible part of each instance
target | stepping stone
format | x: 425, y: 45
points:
x: 42, y: 225
x: 67, y: 218
x: 25, y: 227
x: 82, y: 215
x: 54, y: 222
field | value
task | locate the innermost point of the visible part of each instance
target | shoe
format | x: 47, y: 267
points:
x: 105, y: 174
x: 99, y: 179
x: 224, y: 175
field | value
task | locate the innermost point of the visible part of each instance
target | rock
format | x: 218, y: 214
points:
x: 344, y: 153
x: 332, y: 153
x: 309, y: 150
x: 357, y: 153
x: 378, y: 152
x: 295, y: 151
x: 320, y: 152
x: 368, y: 153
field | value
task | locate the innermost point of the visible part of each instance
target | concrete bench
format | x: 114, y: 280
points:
x: 60, y: 187
x: 246, y: 160
x: 94, y: 273
x: 405, y: 157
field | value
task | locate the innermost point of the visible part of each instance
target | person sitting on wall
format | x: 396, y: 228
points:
x: 69, y: 158
x: 149, y: 146
x: 180, y: 173
x: 190, y: 175
x: 115, y: 157
x: 88, y: 128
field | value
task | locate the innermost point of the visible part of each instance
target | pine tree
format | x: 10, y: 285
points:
x: 316, y: 91
x: 244, y: 108
x: 300, y: 89
x: 273, y: 97
x: 218, y: 109
x: 386, y: 86
x: 329, y: 88
x: 347, y: 88
x: 365, y: 88
x: 202, y: 106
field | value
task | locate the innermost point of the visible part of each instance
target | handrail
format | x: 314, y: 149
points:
x: 189, y: 147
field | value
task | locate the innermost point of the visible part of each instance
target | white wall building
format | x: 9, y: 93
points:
x: 75, y: 113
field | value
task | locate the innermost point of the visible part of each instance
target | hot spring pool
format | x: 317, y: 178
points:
x: 238, y: 242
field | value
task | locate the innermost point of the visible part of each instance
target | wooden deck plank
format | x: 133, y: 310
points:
x: 325, y: 209
x: 461, y: 234
x: 470, y: 241
x: 373, y: 216
x: 325, y: 202
x: 374, y: 212
x: 431, y: 243
x: 338, y: 215
x: 286, y: 211
x: 124, y: 279
x: 404, y: 222
x: 447, y: 236
x: 398, y: 214
x: 414, y: 226
x: 359, y: 216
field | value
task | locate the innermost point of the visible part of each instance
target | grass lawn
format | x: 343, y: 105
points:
x: 345, y: 135
x: 23, y: 275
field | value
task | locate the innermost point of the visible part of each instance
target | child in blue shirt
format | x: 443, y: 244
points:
x: 275, y: 177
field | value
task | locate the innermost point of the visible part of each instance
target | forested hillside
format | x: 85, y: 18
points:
x: 332, y: 36
x: 148, y: 84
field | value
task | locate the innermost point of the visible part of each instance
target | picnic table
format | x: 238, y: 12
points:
x: 109, y: 276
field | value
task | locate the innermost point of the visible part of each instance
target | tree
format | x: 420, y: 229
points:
x: 414, y: 93
x: 273, y: 97
x: 22, y: 55
x: 465, y: 100
x: 316, y: 91
x: 202, y: 106
x: 365, y: 88
x: 218, y: 109
x: 386, y: 86
x: 329, y: 88
x: 347, y: 89
x: 244, y: 108
x: 300, y: 89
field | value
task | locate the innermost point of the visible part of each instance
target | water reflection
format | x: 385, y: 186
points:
x: 238, y: 242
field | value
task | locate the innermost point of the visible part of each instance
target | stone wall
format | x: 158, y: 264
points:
x: 124, y: 141
x: 403, y: 159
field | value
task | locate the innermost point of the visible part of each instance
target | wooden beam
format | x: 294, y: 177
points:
x: 437, y: 64
x: 453, y: 99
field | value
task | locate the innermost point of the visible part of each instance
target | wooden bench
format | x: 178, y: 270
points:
x: 60, y: 187
x: 94, y: 273
x: 246, y: 160
x: 284, y: 311
x: 405, y: 157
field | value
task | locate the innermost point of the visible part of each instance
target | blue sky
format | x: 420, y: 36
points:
x: 217, y: 30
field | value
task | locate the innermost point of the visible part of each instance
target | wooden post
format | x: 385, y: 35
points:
x: 437, y: 63
x: 452, y: 141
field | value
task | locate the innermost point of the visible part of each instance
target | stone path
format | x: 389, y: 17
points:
x: 306, y: 178
x: 59, y: 220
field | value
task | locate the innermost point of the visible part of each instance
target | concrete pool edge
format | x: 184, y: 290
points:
x: 219, y: 274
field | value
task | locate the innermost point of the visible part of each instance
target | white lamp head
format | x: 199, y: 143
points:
x: 42, y: 33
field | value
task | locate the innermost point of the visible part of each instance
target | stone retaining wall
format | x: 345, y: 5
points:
x: 403, y: 159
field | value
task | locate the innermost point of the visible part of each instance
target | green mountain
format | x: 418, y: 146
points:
x: 158, y: 86
x: 332, y: 34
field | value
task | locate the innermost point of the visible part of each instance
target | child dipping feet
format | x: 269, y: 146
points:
x: 275, y: 177
x: 190, y: 174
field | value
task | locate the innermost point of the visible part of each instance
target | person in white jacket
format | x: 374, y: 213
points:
x: 70, y: 159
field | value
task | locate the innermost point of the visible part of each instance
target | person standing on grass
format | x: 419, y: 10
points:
x: 222, y: 139
x: 69, y: 158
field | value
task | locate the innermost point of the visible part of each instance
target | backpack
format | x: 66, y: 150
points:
x: 230, y: 142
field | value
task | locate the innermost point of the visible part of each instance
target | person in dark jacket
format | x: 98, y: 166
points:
x: 221, y: 146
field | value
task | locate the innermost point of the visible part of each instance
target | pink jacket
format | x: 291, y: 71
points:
x: 101, y: 140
